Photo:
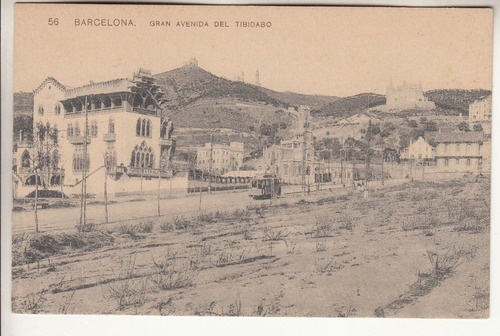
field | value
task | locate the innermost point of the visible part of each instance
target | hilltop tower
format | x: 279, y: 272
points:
x: 257, y: 78
x: 192, y: 62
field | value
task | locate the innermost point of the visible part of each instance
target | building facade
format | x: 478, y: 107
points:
x: 480, y: 113
x: 224, y: 157
x: 407, y: 96
x: 117, y: 123
x: 419, y: 152
x: 293, y: 159
x: 459, y: 152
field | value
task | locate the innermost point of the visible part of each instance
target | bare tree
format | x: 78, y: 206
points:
x: 42, y: 160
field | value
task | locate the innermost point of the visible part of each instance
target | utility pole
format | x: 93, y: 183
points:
x: 382, y: 177
x: 342, y: 152
x: 159, y: 181
x: 83, y: 204
x: 303, y: 181
x: 106, y: 167
x: 61, y: 184
x: 201, y: 187
x: 210, y: 163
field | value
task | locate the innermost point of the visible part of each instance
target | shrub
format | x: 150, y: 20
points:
x: 181, y: 223
x: 145, y: 227
x: 167, y: 226
x: 347, y: 222
x: 34, y: 303
x: 324, y: 266
x: 127, y: 290
x: 323, y: 227
x: 86, y: 227
x: 208, y: 217
x: 170, y: 274
x: 276, y: 234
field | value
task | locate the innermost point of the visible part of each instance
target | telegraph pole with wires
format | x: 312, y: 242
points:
x: 210, y: 165
x: 83, y: 204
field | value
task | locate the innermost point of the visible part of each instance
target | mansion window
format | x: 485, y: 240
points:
x: 70, y: 130
x: 143, y: 127
x: 458, y: 148
x: 111, y: 126
x: 457, y: 161
x: 77, y: 129
x: 40, y: 110
x: 468, y: 162
x: 57, y: 109
x: 446, y: 162
x: 110, y: 157
x: 142, y: 156
x: 93, y: 129
x: 25, y: 159
x: 79, y: 163
x: 55, y: 134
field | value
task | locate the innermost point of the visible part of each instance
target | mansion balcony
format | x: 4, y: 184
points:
x: 109, y: 137
x: 148, y: 172
x: 43, y: 171
x: 78, y: 139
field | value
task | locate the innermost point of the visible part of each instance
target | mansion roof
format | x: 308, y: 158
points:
x: 115, y: 85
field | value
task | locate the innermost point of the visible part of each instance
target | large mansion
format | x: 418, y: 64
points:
x: 127, y: 136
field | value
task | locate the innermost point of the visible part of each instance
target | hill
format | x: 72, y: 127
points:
x: 297, y: 99
x: 190, y: 83
x: 23, y: 103
x: 349, y: 106
x: 455, y: 100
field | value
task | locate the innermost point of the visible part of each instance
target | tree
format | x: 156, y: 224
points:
x: 423, y: 120
x: 412, y: 123
x: 42, y: 159
x: 416, y: 133
x: 463, y: 127
x: 478, y: 127
x: 430, y: 126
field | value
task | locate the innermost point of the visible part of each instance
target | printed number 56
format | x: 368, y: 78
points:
x: 53, y: 21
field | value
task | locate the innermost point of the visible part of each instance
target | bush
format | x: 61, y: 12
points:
x: 170, y: 274
x: 86, y: 227
x: 323, y: 227
x: 145, y: 227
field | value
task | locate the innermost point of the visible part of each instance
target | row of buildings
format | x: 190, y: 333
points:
x: 117, y: 131
x: 455, y: 152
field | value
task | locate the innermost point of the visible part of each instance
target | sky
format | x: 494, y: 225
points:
x: 338, y: 51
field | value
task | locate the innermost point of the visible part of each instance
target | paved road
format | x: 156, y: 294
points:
x: 61, y: 219
x: 67, y: 218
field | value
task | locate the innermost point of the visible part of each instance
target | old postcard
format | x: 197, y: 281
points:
x: 251, y: 161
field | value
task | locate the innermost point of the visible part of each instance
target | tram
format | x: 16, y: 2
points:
x: 265, y: 186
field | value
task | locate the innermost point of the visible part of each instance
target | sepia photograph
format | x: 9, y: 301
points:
x: 240, y: 161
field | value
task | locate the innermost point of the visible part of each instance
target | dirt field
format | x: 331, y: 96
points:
x: 419, y: 249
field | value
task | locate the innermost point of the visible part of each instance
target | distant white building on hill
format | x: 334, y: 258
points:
x: 407, y: 96
x: 224, y: 157
x: 480, y: 113
x: 419, y: 152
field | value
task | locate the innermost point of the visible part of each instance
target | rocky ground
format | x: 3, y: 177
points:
x: 418, y: 249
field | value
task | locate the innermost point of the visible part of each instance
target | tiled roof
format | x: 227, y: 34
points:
x: 458, y: 137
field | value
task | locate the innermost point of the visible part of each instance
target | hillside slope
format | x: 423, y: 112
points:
x: 349, y: 106
x: 456, y: 100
